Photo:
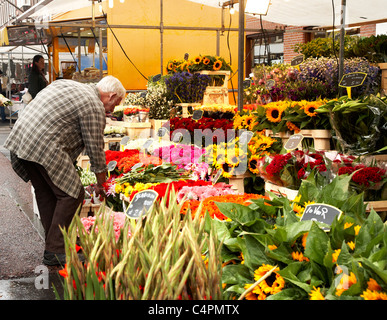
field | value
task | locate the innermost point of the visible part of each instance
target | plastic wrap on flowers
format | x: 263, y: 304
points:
x: 360, y: 125
x: 289, y: 169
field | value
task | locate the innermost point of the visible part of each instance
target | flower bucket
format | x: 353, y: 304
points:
x: 143, y: 116
x: 131, y: 118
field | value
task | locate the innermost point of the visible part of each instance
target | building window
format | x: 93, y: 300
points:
x: 268, y: 48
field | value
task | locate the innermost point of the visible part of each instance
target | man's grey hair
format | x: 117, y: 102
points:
x: 111, y: 84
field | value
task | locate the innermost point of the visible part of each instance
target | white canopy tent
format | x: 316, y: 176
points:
x: 318, y: 12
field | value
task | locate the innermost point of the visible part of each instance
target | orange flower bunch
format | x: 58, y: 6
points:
x: 213, y: 210
x: 125, y: 164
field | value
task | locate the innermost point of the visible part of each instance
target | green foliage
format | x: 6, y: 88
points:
x: 253, y: 230
x: 161, y: 256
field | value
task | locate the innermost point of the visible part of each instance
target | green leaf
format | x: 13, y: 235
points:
x: 371, y: 234
x: 290, y: 275
x: 254, y: 253
x: 236, y: 274
x: 237, y: 212
x: 382, y: 274
x: 289, y: 294
x: 316, y: 244
x: 296, y: 229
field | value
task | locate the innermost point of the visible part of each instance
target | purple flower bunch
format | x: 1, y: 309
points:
x: 185, y: 87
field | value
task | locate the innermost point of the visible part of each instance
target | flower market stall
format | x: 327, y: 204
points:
x: 228, y: 207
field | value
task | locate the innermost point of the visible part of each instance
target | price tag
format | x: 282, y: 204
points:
x: 147, y: 144
x: 269, y: 84
x: 297, y: 60
x: 246, y: 84
x: 178, y: 136
x: 124, y: 141
x: 353, y: 79
x: 156, y: 78
x: 141, y: 203
x: 321, y: 212
x: 293, y: 142
x: 197, y: 114
x: 162, y: 132
x: 137, y: 165
x: 112, y: 165
x: 245, y: 137
x: 217, y: 176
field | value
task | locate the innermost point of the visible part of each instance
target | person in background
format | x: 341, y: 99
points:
x: 2, y: 108
x: 36, y: 80
x: 54, y: 128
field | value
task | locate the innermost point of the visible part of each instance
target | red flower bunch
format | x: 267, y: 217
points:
x: 203, y: 123
x: 364, y: 176
x: 118, y: 155
x: 278, y: 163
x: 290, y: 168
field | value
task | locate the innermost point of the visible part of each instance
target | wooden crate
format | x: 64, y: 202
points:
x: 89, y: 209
x: 321, y: 138
x: 215, y: 95
x: 238, y: 182
x: 83, y: 162
x: 383, y: 84
x: 110, y: 140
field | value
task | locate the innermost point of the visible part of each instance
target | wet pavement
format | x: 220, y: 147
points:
x: 23, y: 276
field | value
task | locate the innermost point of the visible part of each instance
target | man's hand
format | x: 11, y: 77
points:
x: 100, y: 190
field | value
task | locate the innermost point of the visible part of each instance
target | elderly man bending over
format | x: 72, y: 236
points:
x: 64, y: 119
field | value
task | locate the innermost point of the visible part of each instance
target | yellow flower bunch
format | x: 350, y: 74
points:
x: 216, y: 108
x: 226, y: 156
x: 199, y: 63
x: 270, y: 286
x: 128, y: 189
x: 245, y: 121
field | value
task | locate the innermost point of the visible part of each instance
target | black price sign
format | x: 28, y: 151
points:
x: 246, y: 84
x: 293, y: 141
x: 141, y: 203
x: 353, y: 79
x: 197, y: 114
x: 156, y: 78
x: 297, y: 60
x: 321, y: 212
